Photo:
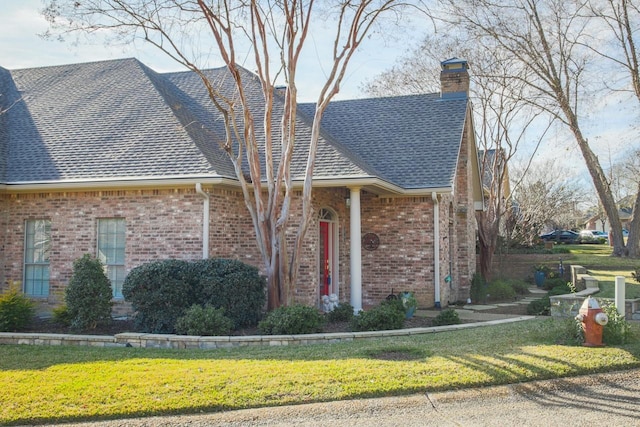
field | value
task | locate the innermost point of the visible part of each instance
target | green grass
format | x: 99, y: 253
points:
x: 54, y: 384
x: 601, y: 265
x: 599, y: 257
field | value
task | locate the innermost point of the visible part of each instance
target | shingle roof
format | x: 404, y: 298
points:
x: 120, y: 119
x: 412, y: 141
x: 95, y: 120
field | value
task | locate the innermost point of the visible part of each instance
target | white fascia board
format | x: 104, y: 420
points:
x: 128, y: 182
x: 374, y: 185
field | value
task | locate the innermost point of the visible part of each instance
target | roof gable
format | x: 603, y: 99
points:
x: 412, y: 141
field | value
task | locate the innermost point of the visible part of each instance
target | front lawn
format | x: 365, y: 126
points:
x: 53, y: 384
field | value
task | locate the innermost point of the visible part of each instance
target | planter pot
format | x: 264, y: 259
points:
x: 409, y: 302
x: 539, y: 278
x: 408, y: 313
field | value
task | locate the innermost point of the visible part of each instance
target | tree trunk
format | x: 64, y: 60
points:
x: 633, y: 241
x: 487, y: 238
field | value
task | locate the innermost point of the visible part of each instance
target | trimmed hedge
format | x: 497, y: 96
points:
x: 292, y: 320
x: 206, y: 321
x: 162, y: 291
x: 386, y: 316
x: 233, y: 286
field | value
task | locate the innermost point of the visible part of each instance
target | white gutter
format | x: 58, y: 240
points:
x: 436, y: 249
x: 375, y: 185
x: 110, y: 184
x: 205, y: 220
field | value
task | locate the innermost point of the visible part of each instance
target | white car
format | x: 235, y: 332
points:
x: 593, y: 236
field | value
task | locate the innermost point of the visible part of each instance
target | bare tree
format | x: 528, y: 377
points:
x: 621, y: 18
x: 275, y: 31
x: 547, y: 37
x: 502, y: 116
x: 544, y: 200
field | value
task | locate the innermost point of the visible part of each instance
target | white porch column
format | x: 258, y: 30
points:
x: 356, y: 250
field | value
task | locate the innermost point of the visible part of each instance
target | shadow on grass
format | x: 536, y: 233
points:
x: 497, y: 354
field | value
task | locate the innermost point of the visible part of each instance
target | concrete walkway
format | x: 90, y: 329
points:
x: 477, y: 312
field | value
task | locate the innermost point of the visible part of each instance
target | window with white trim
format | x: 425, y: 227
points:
x: 37, y: 246
x: 111, y: 241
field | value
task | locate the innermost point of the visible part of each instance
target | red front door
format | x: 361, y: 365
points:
x: 325, y: 259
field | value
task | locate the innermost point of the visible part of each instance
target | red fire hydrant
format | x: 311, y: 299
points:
x: 593, y: 320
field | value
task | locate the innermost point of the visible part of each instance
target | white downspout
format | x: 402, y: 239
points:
x: 205, y: 221
x: 436, y: 249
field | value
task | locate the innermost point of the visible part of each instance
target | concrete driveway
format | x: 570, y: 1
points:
x: 611, y: 399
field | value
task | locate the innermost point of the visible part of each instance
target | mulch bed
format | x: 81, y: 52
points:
x: 120, y: 326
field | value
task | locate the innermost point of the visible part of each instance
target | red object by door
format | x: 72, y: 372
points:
x: 325, y: 266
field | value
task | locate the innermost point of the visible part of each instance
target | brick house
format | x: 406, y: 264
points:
x: 114, y: 159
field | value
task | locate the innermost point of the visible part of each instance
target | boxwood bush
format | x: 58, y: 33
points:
x: 292, y: 320
x: 206, y: 321
x: 388, y: 315
x: 162, y: 291
x: 447, y: 317
x: 500, y: 290
x: 235, y: 287
x: 342, y: 313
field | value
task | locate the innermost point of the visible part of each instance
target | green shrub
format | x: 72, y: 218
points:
x: 382, y: 317
x: 207, y: 321
x: 342, y: 313
x: 500, y: 290
x: 636, y: 275
x: 395, y: 303
x: 562, y: 289
x: 520, y: 287
x: 160, y: 292
x: 540, y: 307
x: 61, y: 315
x: 16, y: 310
x: 617, y: 331
x: 233, y: 286
x: 478, y: 291
x: 292, y: 320
x: 447, y: 317
x: 553, y: 282
x: 88, y: 294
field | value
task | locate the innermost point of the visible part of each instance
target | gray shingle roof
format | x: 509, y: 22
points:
x: 120, y: 119
x: 95, y: 120
x: 412, y: 141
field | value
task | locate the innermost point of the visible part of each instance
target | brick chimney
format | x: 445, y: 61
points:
x: 454, y: 78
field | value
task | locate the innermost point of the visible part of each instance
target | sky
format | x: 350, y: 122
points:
x: 22, y: 47
x: 611, y: 132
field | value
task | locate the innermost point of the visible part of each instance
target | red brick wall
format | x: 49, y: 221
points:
x: 464, y: 217
x: 404, y: 259
x: 167, y: 223
x: 151, y: 219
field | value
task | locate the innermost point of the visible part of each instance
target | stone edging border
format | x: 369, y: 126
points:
x: 143, y: 340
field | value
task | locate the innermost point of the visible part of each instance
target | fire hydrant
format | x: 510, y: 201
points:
x: 593, y: 320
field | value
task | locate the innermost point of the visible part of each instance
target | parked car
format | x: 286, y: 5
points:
x: 593, y: 236
x: 562, y: 236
